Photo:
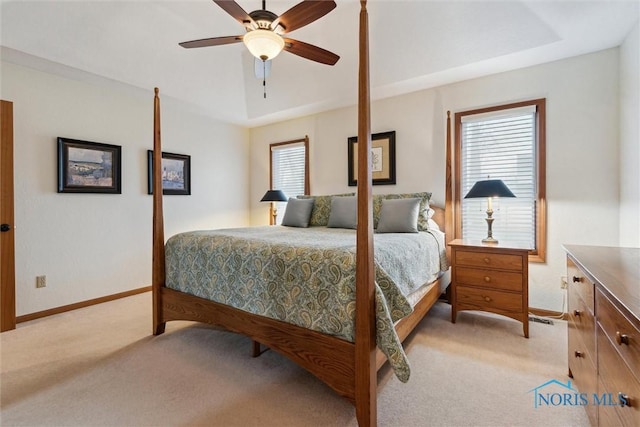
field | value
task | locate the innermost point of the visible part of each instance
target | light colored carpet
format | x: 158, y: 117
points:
x: 100, y: 366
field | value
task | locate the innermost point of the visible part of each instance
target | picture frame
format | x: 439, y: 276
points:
x: 176, y: 175
x: 89, y: 167
x: 383, y: 147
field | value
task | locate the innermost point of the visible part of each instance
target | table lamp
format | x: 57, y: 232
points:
x: 489, y: 188
x: 274, y: 196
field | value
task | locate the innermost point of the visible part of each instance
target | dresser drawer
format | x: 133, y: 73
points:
x: 576, y: 279
x: 494, y: 279
x: 581, y: 320
x: 607, y: 415
x: 505, y: 303
x: 618, y: 380
x: 583, y: 370
x: 620, y: 331
x: 582, y: 363
x: 578, y: 347
x: 485, y: 259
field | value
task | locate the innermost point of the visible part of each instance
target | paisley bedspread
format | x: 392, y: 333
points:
x: 306, y: 276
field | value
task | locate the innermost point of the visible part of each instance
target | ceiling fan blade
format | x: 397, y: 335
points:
x: 310, y: 51
x: 213, y: 41
x: 303, y: 13
x: 235, y: 10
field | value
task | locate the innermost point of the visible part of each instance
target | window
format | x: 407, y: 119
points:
x: 289, y: 170
x: 508, y: 143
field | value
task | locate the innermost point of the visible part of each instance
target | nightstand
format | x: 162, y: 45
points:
x: 490, y: 277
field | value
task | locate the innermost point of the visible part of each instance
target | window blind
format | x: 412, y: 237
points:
x: 500, y: 145
x: 287, y: 172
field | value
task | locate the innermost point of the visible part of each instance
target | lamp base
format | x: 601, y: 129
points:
x: 489, y: 239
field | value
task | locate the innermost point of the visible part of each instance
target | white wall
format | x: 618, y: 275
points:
x: 92, y: 245
x: 582, y: 150
x: 630, y: 140
x: 417, y: 118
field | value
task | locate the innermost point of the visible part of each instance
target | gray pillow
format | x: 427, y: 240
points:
x: 399, y: 216
x: 298, y: 213
x: 344, y: 212
x: 321, y: 208
x: 424, y: 205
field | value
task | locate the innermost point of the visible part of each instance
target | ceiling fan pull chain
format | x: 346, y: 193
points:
x: 264, y: 78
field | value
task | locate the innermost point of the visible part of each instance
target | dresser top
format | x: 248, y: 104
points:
x: 616, y: 269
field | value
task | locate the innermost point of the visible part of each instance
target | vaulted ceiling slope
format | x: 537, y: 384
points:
x: 414, y: 45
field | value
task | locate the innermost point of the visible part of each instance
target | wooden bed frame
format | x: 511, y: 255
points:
x: 348, y: 368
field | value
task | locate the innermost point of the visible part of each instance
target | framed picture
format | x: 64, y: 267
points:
x: 88, y: 167
x: 383, y: 159
x: 176, y: 173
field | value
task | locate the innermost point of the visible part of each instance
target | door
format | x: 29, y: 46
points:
x: 7, y: 235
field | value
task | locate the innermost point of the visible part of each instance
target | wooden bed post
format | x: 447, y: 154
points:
x: 448, y: 204
x: 158, y: 271
x: 349, y: 368
x: 365, y: 337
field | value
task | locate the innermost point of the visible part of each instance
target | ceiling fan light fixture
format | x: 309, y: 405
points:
x: 263, y: 44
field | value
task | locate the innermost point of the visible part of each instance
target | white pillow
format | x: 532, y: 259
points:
x: 433, y: 225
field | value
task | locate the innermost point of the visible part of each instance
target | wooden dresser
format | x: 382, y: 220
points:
x: 604, y: 331
x: 490, y: 277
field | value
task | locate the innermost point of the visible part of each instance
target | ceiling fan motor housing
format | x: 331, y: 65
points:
x: 263, y: 19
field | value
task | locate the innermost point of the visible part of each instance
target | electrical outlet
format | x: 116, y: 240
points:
x: 41, y: 281
x: 563, y: 282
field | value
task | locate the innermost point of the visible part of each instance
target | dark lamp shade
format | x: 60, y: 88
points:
x: 489, y: 188
x: 274, y: 196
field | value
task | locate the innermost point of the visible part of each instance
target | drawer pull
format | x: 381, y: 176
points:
x: 622, y: 338
x: 487, y: 279
x: 487, y: 261
x: 578, y: 353
x: 577, y: 279
x: 624, y: 399
x: 577, y: 312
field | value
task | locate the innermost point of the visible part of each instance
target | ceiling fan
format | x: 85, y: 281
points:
x: 264, y: 30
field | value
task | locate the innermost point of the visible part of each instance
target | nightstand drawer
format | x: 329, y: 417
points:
x: 489, y: 260
x: 490, y: 277
x: 506, y: 303
x: 502, y: 280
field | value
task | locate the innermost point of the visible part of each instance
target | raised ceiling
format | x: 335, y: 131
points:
x: 413, y: 45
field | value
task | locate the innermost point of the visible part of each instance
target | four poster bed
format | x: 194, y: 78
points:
x: 345, y: 356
